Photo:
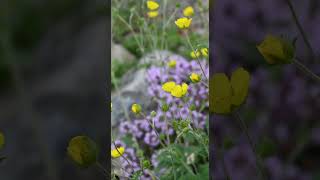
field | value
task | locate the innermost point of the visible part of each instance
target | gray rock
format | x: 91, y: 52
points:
x: 120, y: 54
x: 133, y: 89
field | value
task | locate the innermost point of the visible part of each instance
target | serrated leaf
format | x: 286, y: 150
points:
x: 220, y: 94
x: 240, y: 84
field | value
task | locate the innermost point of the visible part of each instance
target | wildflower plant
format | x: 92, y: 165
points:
x: 170, y: 141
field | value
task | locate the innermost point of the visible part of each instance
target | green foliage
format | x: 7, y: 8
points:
x: 266, y: 147
x: 175, y: 158
x: 83, y: 151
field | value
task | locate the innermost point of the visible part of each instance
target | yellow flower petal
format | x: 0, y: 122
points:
x: 240, y: 84
x: 188, y: 11
x: 168, y: 86
x: 220, y: 93
x: 195, y: 54
x: 115, y: 153
x: 195, y: 77
x: 177, y: 91
x: 152, y: 5
x: 183, y: 23
x: 184, y: 89
x: 204, y: 52
x: 172, y: 63
x: 153, y: 14
x: 136, y: 108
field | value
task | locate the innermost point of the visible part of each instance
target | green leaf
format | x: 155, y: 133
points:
x: 83, y: 151
x: 136, y: 175
x: 220, y: 93
x: 2, y: 140
x: 240, y: 84
x: 266, y: 147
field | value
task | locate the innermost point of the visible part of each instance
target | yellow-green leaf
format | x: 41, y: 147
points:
x: 2, y: 140
x: 83, y: 151
x: 276, y: 50
x: 220, y: 94
x: 240, y: 84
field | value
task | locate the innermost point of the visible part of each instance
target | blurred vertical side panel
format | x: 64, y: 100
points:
x: 54, y: 86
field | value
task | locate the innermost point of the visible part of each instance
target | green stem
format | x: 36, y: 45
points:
x: 198, y: 60
x: 306, y: 70
x: 303, y: 33
x: 253, y: 147
x: 224, y: 165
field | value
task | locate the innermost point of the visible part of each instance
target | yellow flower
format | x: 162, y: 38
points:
x: 136, y: 108
x: 152, y: 5
x: 83, y: 151
x: 276, y: 50
x: 183, y: 23
x: 179, y: 90
x: 172, y: 63
x: 168, y: 86
x: 195, y: 54
x: 188, y: 11
x: 115, y: 153
x: 153, y: 14
x: 204, y: 52
x: 2, y: 140
x: 195, y: 77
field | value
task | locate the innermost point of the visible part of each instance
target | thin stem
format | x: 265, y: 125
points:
x: 121, y: 155
x: 133, y: 32
x: 154, y: 129
x: 224, y: 164
x: 104, y: 171
x: 306, y: 70
x: 198, y: 60
x: 253, y: 147
x: 303, y: 33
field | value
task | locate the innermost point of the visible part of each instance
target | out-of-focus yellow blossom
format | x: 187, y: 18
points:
x: 152, y: 5
x: 172, y: 63
x: 179, y: 90
x: 2, y: 140
x: 277, y: 50
x: 195, y: 54
x: 153, y: 14
x: 188, y: 11
x: 195, y: 78
x: 204, y: 52
x: 168, y: 86
x: 183, y: 23
x: 115, y: 153
x: 136, y: 108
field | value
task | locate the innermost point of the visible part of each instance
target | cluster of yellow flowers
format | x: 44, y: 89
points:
x: 185, y: 22
x: 152, y: 6
x: 176, y: 90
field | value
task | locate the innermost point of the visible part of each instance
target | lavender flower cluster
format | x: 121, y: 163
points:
x: 178, y: 108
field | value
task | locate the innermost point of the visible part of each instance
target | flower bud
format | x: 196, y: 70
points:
x: 83, y: 151
x: 276, y: 50
x: 136, y: 108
